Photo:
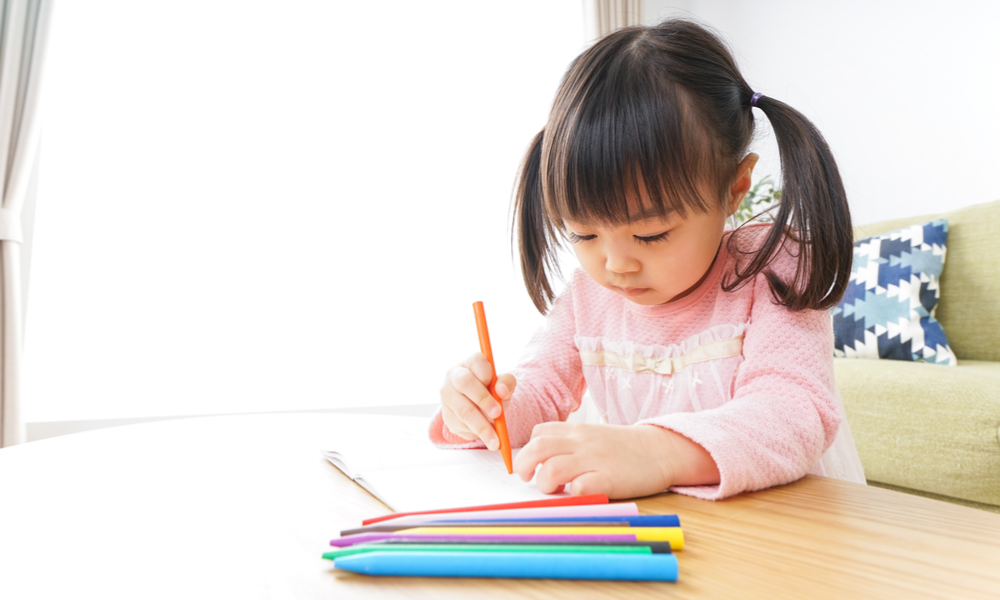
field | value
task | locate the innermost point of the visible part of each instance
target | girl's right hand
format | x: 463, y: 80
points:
x: 467, y: 407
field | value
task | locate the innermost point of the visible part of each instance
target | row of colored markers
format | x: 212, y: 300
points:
x: 581, y: 537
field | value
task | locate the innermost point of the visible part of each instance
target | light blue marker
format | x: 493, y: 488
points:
x: 640, y: 521
x: 515, y: 565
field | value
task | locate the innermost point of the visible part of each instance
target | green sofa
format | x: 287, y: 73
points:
x: 935, y: 430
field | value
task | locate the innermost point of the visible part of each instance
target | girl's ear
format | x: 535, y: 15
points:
x: 741, y: 186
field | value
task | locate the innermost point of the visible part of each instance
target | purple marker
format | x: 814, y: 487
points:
x: 360, y: 538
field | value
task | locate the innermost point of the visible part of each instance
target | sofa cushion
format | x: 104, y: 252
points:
x: 922, y: 427
x: 888, y: 308
x: 969, y: 309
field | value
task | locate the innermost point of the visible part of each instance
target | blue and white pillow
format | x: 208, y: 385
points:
x: 888, y: 308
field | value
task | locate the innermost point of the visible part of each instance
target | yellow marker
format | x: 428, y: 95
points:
x: 674, y: 535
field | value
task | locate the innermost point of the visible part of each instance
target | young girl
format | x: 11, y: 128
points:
x: 708, y: 352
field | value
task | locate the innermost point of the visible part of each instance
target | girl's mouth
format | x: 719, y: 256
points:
x: 632, y: 292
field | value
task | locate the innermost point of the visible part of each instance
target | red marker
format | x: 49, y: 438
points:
x: 484, y: 346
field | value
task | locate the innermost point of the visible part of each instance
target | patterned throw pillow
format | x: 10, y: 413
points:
x: 888, y: 308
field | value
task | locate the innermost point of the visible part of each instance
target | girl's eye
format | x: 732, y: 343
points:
x: 576, y: 238
x: 652, y: 239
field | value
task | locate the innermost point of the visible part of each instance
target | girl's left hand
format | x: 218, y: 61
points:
x: 620, y: 461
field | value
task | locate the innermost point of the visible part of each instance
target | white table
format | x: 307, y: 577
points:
x: 243, y: 507
x: 219, y: 507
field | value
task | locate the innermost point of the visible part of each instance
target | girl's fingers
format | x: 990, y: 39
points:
x: 505, y: 386
x: 455, y: 425
x: 463, y: 416
x: 557, y: 428
x: 539, y: 450
x: 467, y: 405
x: 469, y: 414
x: 592, y: 483
x: 557, y: 471
x: 480, y: 367
x: 467, y: 381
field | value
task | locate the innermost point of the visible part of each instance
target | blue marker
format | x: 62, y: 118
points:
x: 516, y: 565
x: 640, y: 521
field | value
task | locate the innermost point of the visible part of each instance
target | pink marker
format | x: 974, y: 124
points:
x: 625, y: 509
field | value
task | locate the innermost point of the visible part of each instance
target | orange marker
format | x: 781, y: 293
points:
x: 484, y: 346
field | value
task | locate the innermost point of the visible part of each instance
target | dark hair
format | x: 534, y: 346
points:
x: 665, y: 108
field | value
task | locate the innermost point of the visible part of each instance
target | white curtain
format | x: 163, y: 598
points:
x: 22, y: 48
x: 601, y: 17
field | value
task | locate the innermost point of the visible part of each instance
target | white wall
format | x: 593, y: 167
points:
x: 906, y: 93
x: 304, y: 203
x: 248, y: 206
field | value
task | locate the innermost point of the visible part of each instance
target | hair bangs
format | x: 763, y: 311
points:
x: 622, y: 142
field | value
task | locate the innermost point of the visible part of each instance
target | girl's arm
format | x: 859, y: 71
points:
x: 783, y: 414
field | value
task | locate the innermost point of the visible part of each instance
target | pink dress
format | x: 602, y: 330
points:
x: 740, y: 375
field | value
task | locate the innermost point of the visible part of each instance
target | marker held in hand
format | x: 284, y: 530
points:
x: 499, y: 422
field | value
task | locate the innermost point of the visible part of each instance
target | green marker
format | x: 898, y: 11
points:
x: 361, y: 548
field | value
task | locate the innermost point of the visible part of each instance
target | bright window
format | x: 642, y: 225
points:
x: 251, y: 206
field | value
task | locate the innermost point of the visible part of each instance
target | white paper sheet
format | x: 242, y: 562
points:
x: 392, y: 457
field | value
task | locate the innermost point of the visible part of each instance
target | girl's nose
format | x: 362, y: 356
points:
x: 619, y: 261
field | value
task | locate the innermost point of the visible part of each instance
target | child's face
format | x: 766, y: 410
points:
x: 657, y: 260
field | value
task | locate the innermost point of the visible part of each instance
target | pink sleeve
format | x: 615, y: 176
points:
x: 549, y: 376
x: 783, y: 414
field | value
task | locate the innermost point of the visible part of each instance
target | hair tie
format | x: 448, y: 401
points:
x: 756, y: 96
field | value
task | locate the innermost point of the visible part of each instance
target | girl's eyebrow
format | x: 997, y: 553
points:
x: 649, y: 213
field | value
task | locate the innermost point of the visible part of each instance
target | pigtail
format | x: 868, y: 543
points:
x: 535, y: 234
x: 813, y: 212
